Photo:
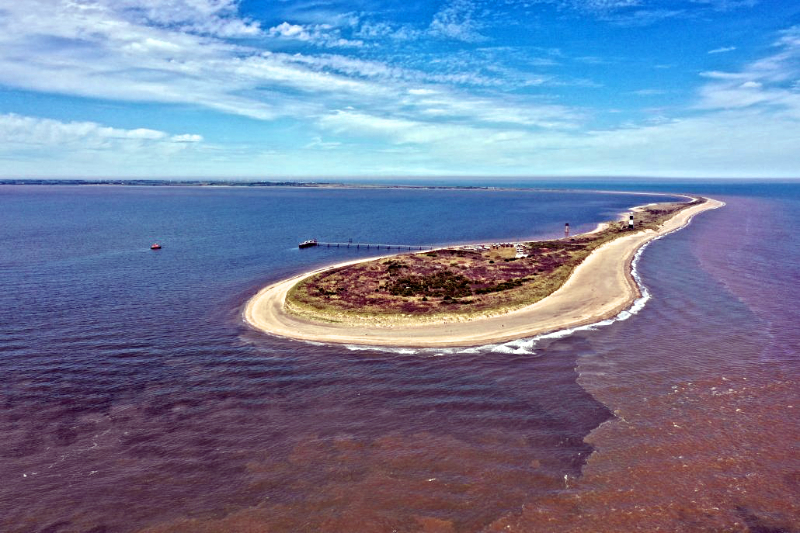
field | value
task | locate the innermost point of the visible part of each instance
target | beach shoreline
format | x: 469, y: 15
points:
x: 599, y: 288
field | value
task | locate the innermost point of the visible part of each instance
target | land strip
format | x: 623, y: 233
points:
x: 559, y: 284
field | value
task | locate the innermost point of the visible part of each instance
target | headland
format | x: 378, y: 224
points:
x: 469, y: 295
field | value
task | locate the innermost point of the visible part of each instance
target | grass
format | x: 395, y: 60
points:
x: 455, y: 283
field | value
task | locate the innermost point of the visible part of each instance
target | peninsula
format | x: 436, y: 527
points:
x: 470, y: 295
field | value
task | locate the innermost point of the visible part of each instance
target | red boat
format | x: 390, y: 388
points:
x: 155, y: 246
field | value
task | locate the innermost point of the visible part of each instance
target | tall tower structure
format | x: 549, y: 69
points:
x: 630, y: 221
x: 566, y: 230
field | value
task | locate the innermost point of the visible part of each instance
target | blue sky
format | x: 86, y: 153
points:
x: 326, y: 88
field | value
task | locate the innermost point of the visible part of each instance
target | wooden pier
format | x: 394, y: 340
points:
x: 370, y: 246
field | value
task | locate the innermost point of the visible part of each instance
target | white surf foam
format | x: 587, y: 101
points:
x: 390, y: 349
x: 526, y: 346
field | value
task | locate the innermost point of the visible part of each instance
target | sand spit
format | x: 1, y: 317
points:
x: 599, y: 288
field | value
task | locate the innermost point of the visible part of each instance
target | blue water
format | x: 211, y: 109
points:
x: 134, y: 396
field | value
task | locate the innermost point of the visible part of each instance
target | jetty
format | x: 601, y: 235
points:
x: 365, y: 245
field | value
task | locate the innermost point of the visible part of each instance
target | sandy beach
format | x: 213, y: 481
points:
x: 599, y: 288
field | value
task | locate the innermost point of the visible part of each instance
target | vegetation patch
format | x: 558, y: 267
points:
x: 457, y: 282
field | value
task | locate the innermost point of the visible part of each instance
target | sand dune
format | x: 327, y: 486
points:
x: 599, y: 288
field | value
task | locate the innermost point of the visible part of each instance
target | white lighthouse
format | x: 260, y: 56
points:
x: 566, y: 230
x: 630, y: 221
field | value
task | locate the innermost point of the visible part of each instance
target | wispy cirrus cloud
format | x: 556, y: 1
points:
x: 206, y: 17
x: 650, y: 92
x: 726, y: 5
x: 442, y: 92
x: 764, y: 82
x: 643, y: 12
x: 378, y: 70
x: 722, y: 50
x: 97, y: 50
x: 116, y: 52
x: 388, y: 30
x: 459, y: 20
x: 708, y: 145
x: 324, y: 35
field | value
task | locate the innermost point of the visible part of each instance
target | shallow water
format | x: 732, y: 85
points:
x: 703, y: 386
x: 135, y: 398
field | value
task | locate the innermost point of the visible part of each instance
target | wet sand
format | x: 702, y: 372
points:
x: 599, y: 288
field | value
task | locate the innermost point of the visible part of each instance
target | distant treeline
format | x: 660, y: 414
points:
x: 224, y: 183
x: 157, y: 183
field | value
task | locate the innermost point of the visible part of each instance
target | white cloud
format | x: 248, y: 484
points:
x: 487, y: 111
x: 643, y: 17
x: 457, y: 20
x: 317, y: 34
x: 43, y: 147
x: 716, y: 74
x: 441, y: 111
x: 643, y: 12
x: 290, y: 31
x: 116, y: 52
x: 381, y: 30
x: 591, y: 6
x: 726, y: 5
x: 211, y: 17
x: 379, y: 71
x: 728, y: 143
x: 747, y: 118
x: 649, y: 92
x: 764, y: 82
x: 132, y: 51
x: 187, y: 138
x: 722, y: 50
x: 92, y: 49
x: 27, y: 133
x: 605, y: 5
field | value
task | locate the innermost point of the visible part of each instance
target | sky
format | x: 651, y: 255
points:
x: 307, y: 89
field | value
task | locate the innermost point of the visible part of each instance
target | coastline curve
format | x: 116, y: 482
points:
x: 600, y: 288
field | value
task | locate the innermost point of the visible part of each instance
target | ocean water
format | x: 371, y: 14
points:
x: 134, y: 398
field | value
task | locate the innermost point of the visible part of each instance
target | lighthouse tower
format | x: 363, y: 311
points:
x: 630, y: 221
x: 566, y: 230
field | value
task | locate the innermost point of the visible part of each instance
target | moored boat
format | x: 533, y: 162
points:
x: 307, y: 244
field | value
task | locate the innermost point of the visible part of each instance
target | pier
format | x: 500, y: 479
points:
x: 370, y: 246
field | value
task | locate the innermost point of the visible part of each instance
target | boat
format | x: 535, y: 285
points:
x: 308, y: 244
x: 155, y: 246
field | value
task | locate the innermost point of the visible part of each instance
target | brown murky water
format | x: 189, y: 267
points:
x: 704, y: 388
x: 681, y: 418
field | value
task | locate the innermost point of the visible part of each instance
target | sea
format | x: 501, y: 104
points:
x: 134, y: 397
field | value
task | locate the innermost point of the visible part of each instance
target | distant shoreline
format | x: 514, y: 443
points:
x: 235, y: 183
x: 220, y: 184
x: 599, y: 288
